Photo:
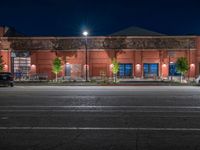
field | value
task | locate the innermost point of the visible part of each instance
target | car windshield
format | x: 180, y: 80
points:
x: 4, y: 76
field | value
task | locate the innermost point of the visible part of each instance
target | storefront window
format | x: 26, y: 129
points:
x: 125, y: 70
x: 150, y: 70
x: 22, y: 67
x: 172, y: 70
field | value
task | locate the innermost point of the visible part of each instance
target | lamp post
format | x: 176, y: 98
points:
x: 12, y: 57
x: 189, y: 59
x: 85, y: 34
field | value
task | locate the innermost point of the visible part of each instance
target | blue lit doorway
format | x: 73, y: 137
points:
x: 125, y: 70
x: 150, y: 70
x: 173, y: 70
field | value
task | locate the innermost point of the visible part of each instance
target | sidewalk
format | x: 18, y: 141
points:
x: 101, y: 83
x: 47, y: 83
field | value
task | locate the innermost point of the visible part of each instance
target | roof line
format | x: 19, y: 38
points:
x: 100, y: 37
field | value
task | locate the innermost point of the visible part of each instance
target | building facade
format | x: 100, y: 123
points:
x: 138, y: 56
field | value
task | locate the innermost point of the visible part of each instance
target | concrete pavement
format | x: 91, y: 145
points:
x: 141, y: 118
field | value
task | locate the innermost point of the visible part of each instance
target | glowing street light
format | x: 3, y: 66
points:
x: 85, y: 33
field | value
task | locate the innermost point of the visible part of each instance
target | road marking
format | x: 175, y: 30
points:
x: 190, y: 109
x: 4, y: 118
x: 96, y: 111
x: 99, y: 128
x: 72, y: 111
x: 88, y: 106
x: 106, y: 111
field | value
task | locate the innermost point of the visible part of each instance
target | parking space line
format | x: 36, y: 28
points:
x: 99, y: 128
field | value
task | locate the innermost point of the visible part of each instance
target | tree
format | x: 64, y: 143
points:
x: 1, y: 63
x: 182, y: 66
x: 115, y: 69
x: 57, y: 67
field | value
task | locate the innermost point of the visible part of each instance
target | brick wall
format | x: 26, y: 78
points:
x: 197, y: 64
x: 100, y: 60
x: 6, y: 59
x: 1, y: 31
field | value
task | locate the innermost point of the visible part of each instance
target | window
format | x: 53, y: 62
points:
x: 22, y: 67
x: 150, y: 70
x: 125, y: 70
x: 172, y: 70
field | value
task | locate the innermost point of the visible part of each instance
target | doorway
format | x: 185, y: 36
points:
x: 68, y: 71
x: 150, y: 70
x: 125, y: 70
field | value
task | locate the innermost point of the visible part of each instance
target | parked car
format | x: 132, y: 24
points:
x: 6, y: 79
x: 197, y: 80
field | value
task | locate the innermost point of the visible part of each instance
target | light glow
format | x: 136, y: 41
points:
x: 85, y: 33
x: 86, y: 65
x: 192, y: 65
x: 33, y: 66
x: 138, y: 67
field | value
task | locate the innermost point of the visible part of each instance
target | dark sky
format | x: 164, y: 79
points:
x: 101, y: 17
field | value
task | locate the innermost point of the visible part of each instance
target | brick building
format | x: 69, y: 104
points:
x: 147, y: 55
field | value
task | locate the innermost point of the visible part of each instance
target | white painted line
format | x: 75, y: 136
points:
x: 99, y: 128
x: 106, y: 111
x: 156, y: 109
x: 9, y: 111
x: 4, y: 118
x: 112, y: 107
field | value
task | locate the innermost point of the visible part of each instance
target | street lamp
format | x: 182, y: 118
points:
x: 85, y: 34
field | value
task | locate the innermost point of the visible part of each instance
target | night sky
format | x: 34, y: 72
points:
x: 102, y: 17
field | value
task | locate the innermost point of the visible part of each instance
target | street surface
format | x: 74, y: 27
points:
x: 100, y: 118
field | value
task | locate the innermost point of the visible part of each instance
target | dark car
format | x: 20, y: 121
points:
x: 6, y: 79
x: 197, y: 80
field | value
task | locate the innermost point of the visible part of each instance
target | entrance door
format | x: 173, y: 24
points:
x: 125, y: 70
x: 22, y: 67
x: 150, y: 70
x: 172, y: 70
x: 68, y: 71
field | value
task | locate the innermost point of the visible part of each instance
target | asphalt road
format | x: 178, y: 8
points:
x: 99, y: 118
